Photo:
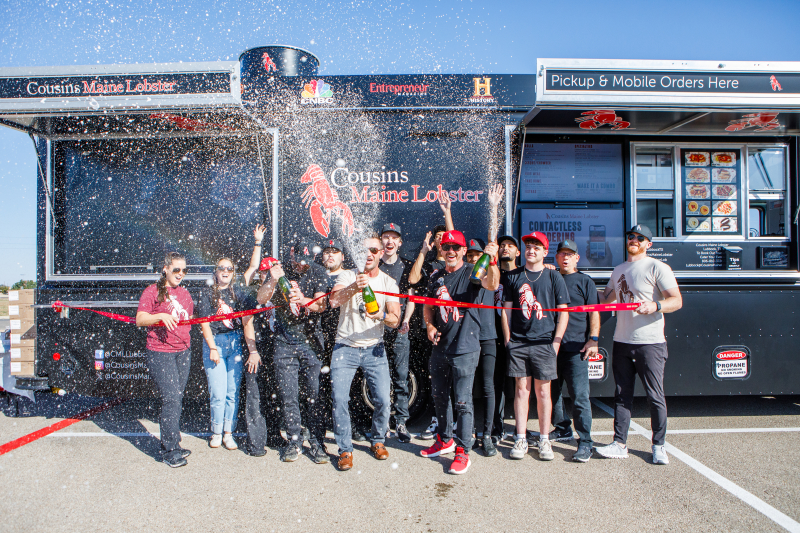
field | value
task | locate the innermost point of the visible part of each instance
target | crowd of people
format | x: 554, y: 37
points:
x: 326, y: 323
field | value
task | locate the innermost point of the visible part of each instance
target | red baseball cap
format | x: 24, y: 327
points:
x: 454, y: 237
x: 267, y: 263
x: 537, y: 236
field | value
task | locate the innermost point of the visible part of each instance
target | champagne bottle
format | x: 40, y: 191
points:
x: 480, y: 269
x: 283, y: 283
x: 370, y: 301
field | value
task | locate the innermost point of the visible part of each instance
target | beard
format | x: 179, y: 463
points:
x: 636, y: 250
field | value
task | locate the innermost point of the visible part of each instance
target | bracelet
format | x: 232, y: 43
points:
x: 494, y: 261
x: 258, y: 244
x: 214, y: 348
x: 658, y: 306
x: 384, y: 317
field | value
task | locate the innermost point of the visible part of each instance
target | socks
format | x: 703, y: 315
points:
x: 543, y: 438
x: 519, y: 437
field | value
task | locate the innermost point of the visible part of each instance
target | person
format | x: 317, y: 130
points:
x: 577, y: 348
x: 161, y: 306
x: 222, y: 350
x: 359, y: 344
x: 639, y: 343
x: 454, y: 333
x: 508, y: 252
x: 297, y: 348
x: 533, y: 338
x: 396, y: 340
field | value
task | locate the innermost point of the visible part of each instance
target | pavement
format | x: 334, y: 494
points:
x: 733, y: 467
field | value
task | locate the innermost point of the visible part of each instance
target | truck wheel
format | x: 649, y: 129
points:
x: 417, y: 396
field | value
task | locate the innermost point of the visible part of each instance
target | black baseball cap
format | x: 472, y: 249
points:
x: 303, y: 251
x: 568, y: 244
x: 508, y: 238
x: 642, y: 230
x: 332, y: 243
x: 475, y: 245
x: 391, y: 226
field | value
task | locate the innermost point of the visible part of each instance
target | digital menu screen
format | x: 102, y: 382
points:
x: 711, y: 181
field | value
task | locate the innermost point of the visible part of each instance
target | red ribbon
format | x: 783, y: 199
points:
x: 576, y: 309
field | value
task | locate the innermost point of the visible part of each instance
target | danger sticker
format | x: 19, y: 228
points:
x: 731, y: 362
x: 731, y: 369
x: 597, y: 365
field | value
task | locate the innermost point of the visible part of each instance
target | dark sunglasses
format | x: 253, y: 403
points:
x: 225, y: 269
x: 177, y: 270
x: 453, y: 247
x: 640, y: 238
x: 374, y: 251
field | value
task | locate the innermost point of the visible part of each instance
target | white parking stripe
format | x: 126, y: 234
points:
x: 104, y: 434
x: 729, y: 430
x: 747, y: 497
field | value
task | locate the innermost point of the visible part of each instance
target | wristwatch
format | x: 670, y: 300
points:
x: 658, y: 306
x: 595, y: 339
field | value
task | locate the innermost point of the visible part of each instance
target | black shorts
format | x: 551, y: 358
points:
x: 536, y: 360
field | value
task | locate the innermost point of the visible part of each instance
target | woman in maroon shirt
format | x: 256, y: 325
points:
x: 161, y: 306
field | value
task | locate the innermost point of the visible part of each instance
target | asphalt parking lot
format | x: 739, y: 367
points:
x: 734, y: 467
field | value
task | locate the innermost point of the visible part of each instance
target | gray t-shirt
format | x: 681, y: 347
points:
x: 355, y: 328
x: 641, y: 281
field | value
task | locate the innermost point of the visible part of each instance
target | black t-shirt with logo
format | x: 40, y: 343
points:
x: 399, y: 272
x: 582, y: 291
x: 293, y: 323
x: 459, y: 326
x: 532, y: 292
x: 234, y: 298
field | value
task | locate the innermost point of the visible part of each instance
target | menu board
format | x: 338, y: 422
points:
x: 711, y: 181
x: 553, y: 172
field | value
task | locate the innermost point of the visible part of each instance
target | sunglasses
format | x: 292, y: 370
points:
x: 374, y: 251
x: 639, y: 238
x: 177, y: 270
x: 449, y: 247
x: 225, y: 269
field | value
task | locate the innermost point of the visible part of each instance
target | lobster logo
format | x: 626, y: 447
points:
x: 624, y: 292
x: 443, y: 294
x: 323, y: 202
x: 223, y: 309
x: 269, y: 64
x: 776, y: 86
x: 498, y: 299
x: 762, y: 121
x: 295, y: 307
x: 529, y: 303
x: 591, y: 120
x: 176, y: 309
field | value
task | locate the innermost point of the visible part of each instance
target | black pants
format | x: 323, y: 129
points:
x: 397, y: 350
x: 261, y: 412
x: 575, y: 372
x: 648, y: 361
x: 170, y: 371
x: 456, y: 373
x: 297, y: 372
x: 484, y: 387
x: 500, y: 376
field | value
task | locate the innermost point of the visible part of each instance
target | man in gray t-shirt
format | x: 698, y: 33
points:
x: 639, y: 343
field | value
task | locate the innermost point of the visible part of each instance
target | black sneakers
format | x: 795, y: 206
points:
x: 356, y: 434
x: 402, y: 433
x: 290, y: 453
x: 488, y: 446
x: 430, y: 432
x: 583, y: 454
x: 562, y: 435
x: 185, y: 453
x: 174, y: 459
x: 318, y: 453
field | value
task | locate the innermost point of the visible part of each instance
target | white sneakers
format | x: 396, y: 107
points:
x: 546, y: 450
x: 520, y: 449
x: 215, y: 441
x: 218, y: 440
x: 660, y: 455
x: 615, y: 450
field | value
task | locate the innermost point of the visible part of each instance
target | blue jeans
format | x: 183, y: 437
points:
x: 344, y: 363
x: 575, y: 373
x: 224, y: 379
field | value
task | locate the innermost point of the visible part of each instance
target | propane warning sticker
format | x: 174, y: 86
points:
x: 597, y: 365
x: 731, y: 362
x: 731, y: 369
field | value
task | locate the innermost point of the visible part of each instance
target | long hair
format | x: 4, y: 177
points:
x: 161, y: 284
x: 215, y: 291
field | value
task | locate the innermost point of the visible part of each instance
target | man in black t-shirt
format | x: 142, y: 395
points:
x: 298, y: 346
x: 533, y: 338
x: 455, y: 333
x: 577, y: 348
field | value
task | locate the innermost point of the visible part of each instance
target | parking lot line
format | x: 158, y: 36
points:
x: 747, y: 497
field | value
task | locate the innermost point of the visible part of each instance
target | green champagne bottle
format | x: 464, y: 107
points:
x: 283, y: 283
x: 480, y: 269
x: 370, y: 302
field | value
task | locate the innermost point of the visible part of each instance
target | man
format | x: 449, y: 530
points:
x: 579, y: 345
x: 396, y: 340
x: 359, y: 344
x: 297, y: 348
x: 533, y: 338
x: 333, y: 261
x: 639, y: 343
x: 454, y: 332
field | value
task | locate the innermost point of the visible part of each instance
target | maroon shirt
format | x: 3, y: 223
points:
x: 179, y: 304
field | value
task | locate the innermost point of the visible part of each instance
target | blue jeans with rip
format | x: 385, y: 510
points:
x: 224, y: 379
x: 344, y: 363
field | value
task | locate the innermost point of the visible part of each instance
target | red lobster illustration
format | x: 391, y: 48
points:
x: 762, y: 121
x: 443, y: 294
x: 322, y: 202
x: 295, y: 307
x: 528, y: 303
x: 776, y: 86
x: 269, y: 64
x: 591, y: 120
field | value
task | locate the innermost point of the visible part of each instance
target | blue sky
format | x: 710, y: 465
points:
x: 360, y: 37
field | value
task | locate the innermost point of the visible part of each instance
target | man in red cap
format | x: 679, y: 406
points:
x: 533, y: 338
x: 454, y: 332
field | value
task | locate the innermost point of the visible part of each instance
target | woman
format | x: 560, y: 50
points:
x: 161, y: 306
x: 222, y: 351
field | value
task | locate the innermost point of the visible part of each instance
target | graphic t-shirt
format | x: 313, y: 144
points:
x: 234, y: 298
x: 398, y: 271
x: 459, y: 326
x: 532, y: 292
x: 355, y: 328
x: 582, y: 291
x: 293, y: 323
x: 179, y: 304
x: 641, y: 281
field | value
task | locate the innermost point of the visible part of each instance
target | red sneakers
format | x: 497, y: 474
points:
x: 439, y: 448
x: 461, y: 463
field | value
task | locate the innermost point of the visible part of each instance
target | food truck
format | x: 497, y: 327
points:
x: 137, y: 160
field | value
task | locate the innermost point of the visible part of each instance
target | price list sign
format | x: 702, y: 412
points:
x: 711, y: 181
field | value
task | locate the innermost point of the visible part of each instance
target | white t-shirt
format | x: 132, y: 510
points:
x: 641, y: 281
x: 357, y: 330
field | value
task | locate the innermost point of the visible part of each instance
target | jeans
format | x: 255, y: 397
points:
x: 485, y: 385
x: 456, y: 373
x: 224, y: 378
x: 372, y: 361
x: 170, y: 371
x: 575, y: 373
x: 397, y: 350
x: 261, y: 391
x: 297, y: 372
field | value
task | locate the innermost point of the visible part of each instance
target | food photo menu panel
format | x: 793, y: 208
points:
x: 711, y: 181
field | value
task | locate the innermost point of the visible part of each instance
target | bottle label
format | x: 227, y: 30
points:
x: 372, y: 307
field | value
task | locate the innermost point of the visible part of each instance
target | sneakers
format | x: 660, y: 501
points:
x: 185, y: 453
x: 583, y: 454
x: 660, y: 455
x: 615, y: 450
x: 519, y: 450
x: 561, y: 435
x: 546, y: 450
x: 488, y: 446
x: 461, y: 462
x: 431, y: 430
x: 402, y: 433
x: 215, y: 441
x: 357, y: 434
x: 290, y: 453
x: 318, y: 453
x: 174, y: 459
x: 228, y: 442
x: 439, y: 448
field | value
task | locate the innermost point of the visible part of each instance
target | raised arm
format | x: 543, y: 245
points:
x: 494, y: 196
x: 267, y: 288
x: 445, y: 205
x: 415, y: 274
x: 255, y: 259
x: 491, y: 280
